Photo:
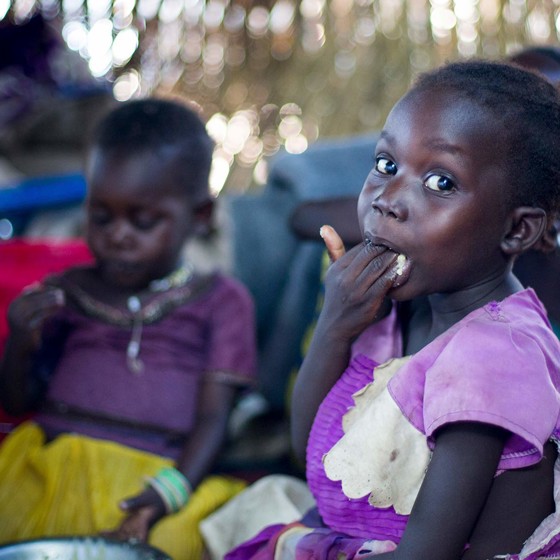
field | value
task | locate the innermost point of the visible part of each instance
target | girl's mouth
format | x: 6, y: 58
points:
x: 381, y: 243
x: 402, y: 266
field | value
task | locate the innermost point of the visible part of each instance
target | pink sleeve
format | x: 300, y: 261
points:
x: 505, y: 382
x: 382, y: 340
x: 232, y: 333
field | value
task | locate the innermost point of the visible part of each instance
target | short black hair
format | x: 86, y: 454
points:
x: 161, y: 126
x: 528, y: 107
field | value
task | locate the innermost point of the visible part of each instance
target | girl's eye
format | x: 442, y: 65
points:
x: 439, y: 183
x: 385, y: 166
x: 99, y: 216
x: 145, y: 221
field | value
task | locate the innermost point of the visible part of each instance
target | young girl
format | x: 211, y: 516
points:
x: 428, y: 402
x: 133, y: 363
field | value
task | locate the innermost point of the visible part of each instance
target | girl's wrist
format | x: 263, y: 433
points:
x: 331, y: 335
x: 173, y: 488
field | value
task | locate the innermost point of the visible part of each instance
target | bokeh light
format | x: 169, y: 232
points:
x: 281, y: 74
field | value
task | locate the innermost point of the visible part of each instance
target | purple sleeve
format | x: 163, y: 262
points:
x: 505, y: 382
x: 232, y: 347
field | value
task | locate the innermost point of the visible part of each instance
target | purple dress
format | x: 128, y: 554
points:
x: 93, y: 392
x: 499, y: 365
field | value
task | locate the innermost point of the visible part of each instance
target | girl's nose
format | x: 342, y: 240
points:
x: 389, y: 202
x: 120, y: 234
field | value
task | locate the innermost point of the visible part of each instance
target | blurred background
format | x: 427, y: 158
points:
x: 269, y: 75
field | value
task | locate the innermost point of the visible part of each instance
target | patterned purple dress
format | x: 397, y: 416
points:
x: 499, y: 365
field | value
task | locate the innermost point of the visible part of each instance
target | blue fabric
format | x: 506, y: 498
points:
x: 20, y: 202
x: 40, y: 193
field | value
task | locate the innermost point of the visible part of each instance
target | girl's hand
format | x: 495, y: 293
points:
x: 357, y: 284
x: 144, y: 510
x: 333, y: 242
x: 27, y: 313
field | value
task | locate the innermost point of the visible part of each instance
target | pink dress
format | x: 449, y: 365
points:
x: 499, y: 365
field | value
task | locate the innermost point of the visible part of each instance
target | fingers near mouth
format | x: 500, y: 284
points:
x: 399, y: 263
x: 377, y: 248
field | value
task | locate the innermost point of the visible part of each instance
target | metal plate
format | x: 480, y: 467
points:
x: 79, y: 548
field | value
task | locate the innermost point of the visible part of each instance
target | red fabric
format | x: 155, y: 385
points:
x: 23, y: 262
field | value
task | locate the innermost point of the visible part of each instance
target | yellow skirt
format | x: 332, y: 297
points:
x: 72, y: 486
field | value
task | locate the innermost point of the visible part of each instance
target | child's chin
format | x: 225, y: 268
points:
x: 124, y: 278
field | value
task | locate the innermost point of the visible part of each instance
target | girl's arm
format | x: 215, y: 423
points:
x: 209, y: 435
x: 519, y: 500
x: 197, y: 458
x: 356, y: 286
x: 461, y: 502
x: 26, y: 316
x: 230, y: 348
x: 454, y: 492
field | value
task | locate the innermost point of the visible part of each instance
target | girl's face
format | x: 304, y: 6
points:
x: 137, y: 218
x: 437, y: 193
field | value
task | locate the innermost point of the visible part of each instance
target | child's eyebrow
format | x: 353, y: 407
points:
x: 436, y: 144
x: 442, y: 145
x: 386, y: 136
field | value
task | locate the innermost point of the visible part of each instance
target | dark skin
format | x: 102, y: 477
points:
x: 538, y: 268
x: 436, y: 158
x: 138, y: 220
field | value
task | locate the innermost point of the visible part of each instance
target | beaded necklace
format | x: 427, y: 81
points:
x: 135, y: 316
x: 176, y: 279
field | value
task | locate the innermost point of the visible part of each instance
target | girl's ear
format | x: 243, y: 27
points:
x: 549, y: 240
x: 203, y: 218
x: 526, y: 230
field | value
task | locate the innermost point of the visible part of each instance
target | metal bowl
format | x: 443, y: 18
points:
x: 80, y: 548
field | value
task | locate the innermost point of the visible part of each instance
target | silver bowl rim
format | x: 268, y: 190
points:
x: 155, y: 553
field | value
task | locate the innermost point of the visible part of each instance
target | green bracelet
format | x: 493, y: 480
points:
x: 173, y: 487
